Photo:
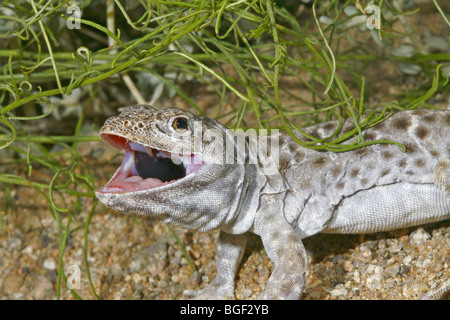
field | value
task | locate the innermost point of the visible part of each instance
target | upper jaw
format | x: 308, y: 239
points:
x: 146, y: 168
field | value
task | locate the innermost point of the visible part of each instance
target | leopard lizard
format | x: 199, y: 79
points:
x: 176, y: 168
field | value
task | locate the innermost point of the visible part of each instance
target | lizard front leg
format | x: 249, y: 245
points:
x: 442, y: 175
x: 229, y: 252
x: 442, y: 180
x: 284, y: 248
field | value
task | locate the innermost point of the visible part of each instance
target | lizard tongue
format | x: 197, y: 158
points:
x: 126, y: 178
x: 133, y: 183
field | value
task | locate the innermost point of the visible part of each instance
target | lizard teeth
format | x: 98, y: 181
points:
x: 136, y: 147
x: 176, y: 158
x: 150, y: 152
x: 163, y: 154
x: 186, y: 160
x: 140, y: 148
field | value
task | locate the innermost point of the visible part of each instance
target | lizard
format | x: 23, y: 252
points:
x: 380, y: 187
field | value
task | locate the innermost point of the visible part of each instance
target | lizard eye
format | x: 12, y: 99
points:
x: 180, y: 124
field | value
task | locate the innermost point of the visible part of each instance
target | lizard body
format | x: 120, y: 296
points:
x: 371, y: 189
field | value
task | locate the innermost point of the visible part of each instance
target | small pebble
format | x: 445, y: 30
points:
x: 419, y: 236
x: 340, y: 290
x: 49, y: 264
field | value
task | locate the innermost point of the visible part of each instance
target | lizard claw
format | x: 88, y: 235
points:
x: 216, y: 290
x: 438, y: 293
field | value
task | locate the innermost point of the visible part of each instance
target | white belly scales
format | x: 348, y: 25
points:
x: 390, y: 207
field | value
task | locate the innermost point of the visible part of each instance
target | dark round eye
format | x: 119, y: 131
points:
x: 180, y: 124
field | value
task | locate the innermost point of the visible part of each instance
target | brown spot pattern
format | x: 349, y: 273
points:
x: 330, y: 126
x: 402, y: 123
x: 387, y: 155
x: 354, y: 172
x: 447, y: 120
x: 299, y: 156
x: 361, y: 151
x: 422, y: 132
x: 320, y: 161
x: 434, y: 153
x: 420, y: 163
x: 410, y: 148
x: 369, y: 136
x: 430, y: 118
x: 336, y: 171
x: 293, y: 146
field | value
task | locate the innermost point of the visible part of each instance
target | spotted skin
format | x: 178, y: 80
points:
x: 376, y: 188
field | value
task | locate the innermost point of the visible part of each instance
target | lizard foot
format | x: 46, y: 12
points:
x: 217, y: 290
x: 439, y: 293
x: 442, y: 175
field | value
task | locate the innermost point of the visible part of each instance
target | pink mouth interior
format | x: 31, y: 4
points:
x: 135, y: 174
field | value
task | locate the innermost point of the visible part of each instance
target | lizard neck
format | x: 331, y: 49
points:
x: 249, y: 201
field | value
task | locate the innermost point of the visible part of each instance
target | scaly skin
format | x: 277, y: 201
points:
x: 377, y: 188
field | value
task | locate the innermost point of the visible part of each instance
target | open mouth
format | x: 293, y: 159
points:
x: 145, y: 168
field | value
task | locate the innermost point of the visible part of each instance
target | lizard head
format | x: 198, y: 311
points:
x: 174, y: 168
